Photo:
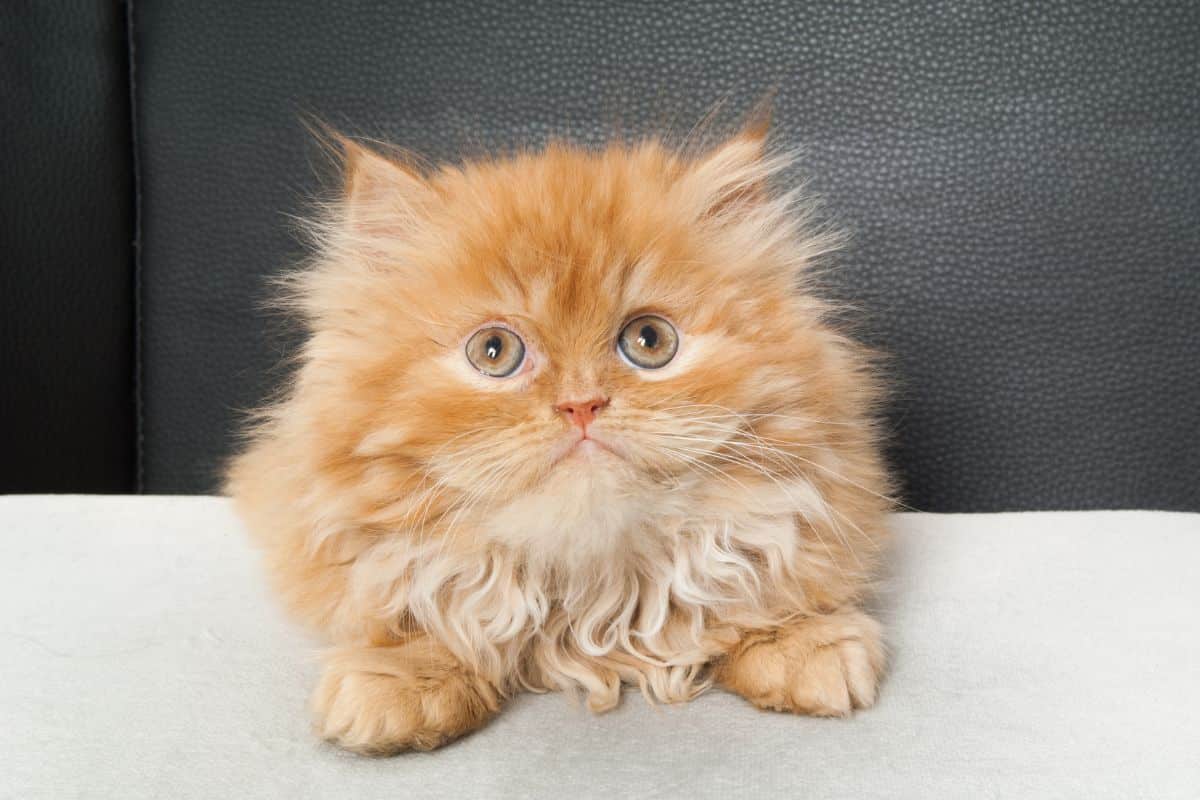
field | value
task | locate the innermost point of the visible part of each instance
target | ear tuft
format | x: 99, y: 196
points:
x: 733, y: 176
x: 381, y: 192
x: 757, y: 124
x: 368, y: 171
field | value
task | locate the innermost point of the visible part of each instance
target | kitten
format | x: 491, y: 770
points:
x: 563, y: 421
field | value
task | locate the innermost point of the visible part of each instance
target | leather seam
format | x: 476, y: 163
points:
x: 138, y: 338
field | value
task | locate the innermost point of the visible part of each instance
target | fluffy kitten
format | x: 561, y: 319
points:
x: 562, y: 421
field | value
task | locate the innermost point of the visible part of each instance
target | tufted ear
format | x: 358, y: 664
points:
x: 733, y: 176
x: 381, y: 193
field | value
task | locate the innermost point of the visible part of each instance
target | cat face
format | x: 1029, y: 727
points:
x: 557, y: 345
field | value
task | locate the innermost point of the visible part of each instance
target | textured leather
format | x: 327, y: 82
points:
x: 1022, y: 182
x: 66, y: 268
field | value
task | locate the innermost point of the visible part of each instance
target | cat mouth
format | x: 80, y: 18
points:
x: 587, y: 447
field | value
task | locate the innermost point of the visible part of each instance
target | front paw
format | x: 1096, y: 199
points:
x: 383, y: 700
x: 824, y: 665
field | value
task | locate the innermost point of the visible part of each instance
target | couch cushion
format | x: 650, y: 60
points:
x: 1033, y: 655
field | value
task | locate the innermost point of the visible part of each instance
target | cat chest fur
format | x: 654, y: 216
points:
x: 639, y: 608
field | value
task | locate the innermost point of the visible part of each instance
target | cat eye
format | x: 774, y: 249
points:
x: 648, y: 342
x: 496, y: 352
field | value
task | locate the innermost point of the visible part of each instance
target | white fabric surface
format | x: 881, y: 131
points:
x: 1034, y: 655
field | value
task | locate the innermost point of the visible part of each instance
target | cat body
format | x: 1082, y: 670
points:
x: 564, y: 421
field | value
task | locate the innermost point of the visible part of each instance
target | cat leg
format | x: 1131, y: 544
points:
x: 385, y: 699
x: 823, y: 665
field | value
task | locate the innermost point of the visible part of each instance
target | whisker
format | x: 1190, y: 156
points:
x: 799, y: 506
x: 829, y: 470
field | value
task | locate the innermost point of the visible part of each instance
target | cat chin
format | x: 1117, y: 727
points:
x: 586, y: 508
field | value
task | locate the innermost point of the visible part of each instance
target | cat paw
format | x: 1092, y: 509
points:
x: 824, y: 666
x: 384, y: 700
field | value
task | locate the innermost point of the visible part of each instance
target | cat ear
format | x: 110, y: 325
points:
x: 733, y: 177
x: 381, y: 193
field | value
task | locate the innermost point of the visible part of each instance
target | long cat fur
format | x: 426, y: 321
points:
x: 424, y: 517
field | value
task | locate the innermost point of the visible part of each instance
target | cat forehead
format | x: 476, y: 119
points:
x: 571, y: 235
x: 579, y: 292
x: 568, y: 271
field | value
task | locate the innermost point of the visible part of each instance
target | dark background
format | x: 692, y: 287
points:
x: 66, y: 254
x: 1022, y: 182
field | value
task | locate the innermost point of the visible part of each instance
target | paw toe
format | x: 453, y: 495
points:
x: 818, y: 685
x: 861, y: 672
x: 825, y: 667
x: 382, y: 714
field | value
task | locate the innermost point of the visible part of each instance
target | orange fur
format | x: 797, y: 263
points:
x: 431, y: 521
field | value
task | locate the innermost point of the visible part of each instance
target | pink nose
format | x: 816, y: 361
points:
x: 582, y: 412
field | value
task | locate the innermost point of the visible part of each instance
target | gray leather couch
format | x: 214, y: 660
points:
x: 1022, y: 182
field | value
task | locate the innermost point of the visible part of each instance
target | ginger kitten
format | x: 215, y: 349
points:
x: 562, y: 421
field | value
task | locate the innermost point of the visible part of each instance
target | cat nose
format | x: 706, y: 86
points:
x: 582, y: 412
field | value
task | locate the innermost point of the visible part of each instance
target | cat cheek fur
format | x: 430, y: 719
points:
x: 433, y: 523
